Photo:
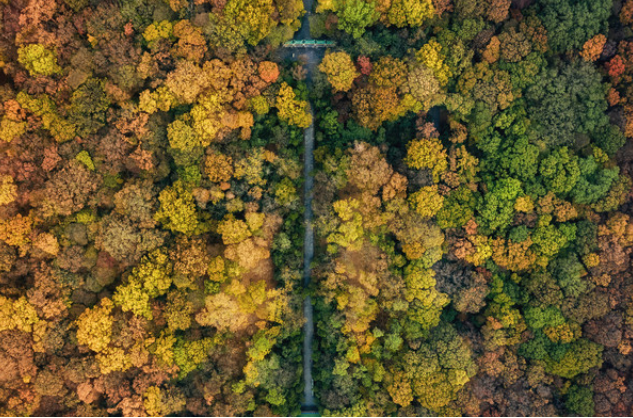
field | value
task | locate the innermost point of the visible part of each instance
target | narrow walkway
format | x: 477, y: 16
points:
x: 309, y: 402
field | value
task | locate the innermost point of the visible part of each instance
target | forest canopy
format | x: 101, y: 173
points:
x: 470, y: 201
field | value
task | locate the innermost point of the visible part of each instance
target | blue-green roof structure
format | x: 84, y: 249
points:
x: 308, y: 43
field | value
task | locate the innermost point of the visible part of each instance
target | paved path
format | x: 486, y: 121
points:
x: 309, y: 402
x: 308, y: 255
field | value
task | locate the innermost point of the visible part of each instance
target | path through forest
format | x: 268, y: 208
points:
x: 309, y: 403
x: 308, y: 254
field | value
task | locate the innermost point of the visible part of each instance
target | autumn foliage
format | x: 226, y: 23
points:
x: 472, y: 217
x: 147, y: 258
x: 498, y: 137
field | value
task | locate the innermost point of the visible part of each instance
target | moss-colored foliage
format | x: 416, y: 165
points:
x: 581, y: 356
x: 571, y: 23
x: 355, y: 16
x: 458, y: 208
x: 181, y: 136
x: 177, y: 210
x: 61, y: 128
x: 435, y: 372
x: 88, y: 107
x: 431, y: 56
x: 158, y: 30
x: 10, y: 129
x: 84, y: 158
x: 340, y: 70
x: 188, y: 355
x: 252, y: 20
x: 292, y: 110
x: 158, y: 402
x: 579, y: 400
x: 38, y: 59
x: 410, y: 12
x: 133, y: 298
x: 427, y: 154
x: 233, y: 230
x: 496, y: 208
x: 427, y: 201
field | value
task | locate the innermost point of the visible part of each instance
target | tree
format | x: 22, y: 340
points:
x: 498, y: 10
x: 427, y: 201
x: 410, y: 12
x: 133, y: 298
x: 17, y: 314
x: 514, y: 46
x: 218, y: 167
x: 568, y: 99
x: 38, y: 60
x: 438, y: 369
x: 292, y: 110
x: 488, y: 85
x: 354, y: 16
x: 340, y: 69
x: 187, y: 81
x: 424, y: 86
x: 177, y: 210
x: 209, y: 117
x: 388, y: 72
x: 253, y: 19
x: 119, y: 238
x: 514, y: 254
x: 61, y: 129
x: 594, y: 182
x: 160, y: 99
x: 374, y: 105
x: 496, y: 208
x: 10, y: 129
x: 178, y: 311
x: 560, y: 171
x: 368, y: 169
x: 88, y: 107
x: 154, y: 273
x: 458, y: 208
x: 233, y: 230
x: 268, y: 71
x: 579, y: 401
x: 425, y: 302
x: 191, y: 43
x: 94, y: 326
x: 224, y: 313
x: 158, y: 30
x: 159, y: 402
x: 419, y: 239
x: 592, y: 49
x: 190, y: 354
x: 549, y: 239
x: 570, y: 24
x: 428, y: 154
x: 182, y: 137
x: 431, y: 56
x: 8, y: 190
x: 467, y: 289
x: 68, y: 190
x: 137, y: 201
x: 581, y: 356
